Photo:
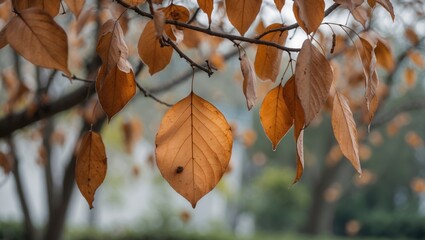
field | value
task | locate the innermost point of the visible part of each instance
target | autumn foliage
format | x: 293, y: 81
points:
x: 194, y: 141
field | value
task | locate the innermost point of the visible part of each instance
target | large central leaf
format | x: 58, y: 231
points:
x: 193, y: 147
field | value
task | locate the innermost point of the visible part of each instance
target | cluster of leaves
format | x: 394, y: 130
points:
x: 194, y: 141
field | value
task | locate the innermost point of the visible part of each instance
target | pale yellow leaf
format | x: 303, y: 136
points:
x: 39, y: 39
x: 249, y: 81
x: 268, y: 58
x: 151, y: 52
x: 193, y: 147
x: 275, y: 116
x: 345, y: 130
x: 90, y: 167
x: 309, y: 14
x: 313, y: 79
x: 242, y: 13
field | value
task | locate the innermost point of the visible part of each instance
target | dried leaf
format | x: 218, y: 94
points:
x: 159, y: 21
x: 411, y: 35
x: 361, y: 15
x: 242, y: 13
x: 111, y: 47
x: 268, y: 58
x: 249, y: 81
x: 193, y: 147
x: 368, y: 58
x: 90, y: 167
x: 279, y: 4
x: 135, y: 2
x: 115, y: 89
x: 417, y: 58
x: 49, y: 6
x: 384, y: 56
x: 388, y: 6
x: 371, y: 3
x: 132, y: 131
x: 6, y: 163
x: 75, y: 6
x: 176, y: 13
x: 309, y: 14
x: 207, y: 7
x: 293, y: 103
x: 151, y: 52
x: 39, y: 39
x: 275, y: 116
x: 313, y: 79
x: 3, y: 37
x: 345, y: 130
x: 350, y: 4
x: 410, y: 76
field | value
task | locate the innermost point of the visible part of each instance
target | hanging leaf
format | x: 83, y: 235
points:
x: 279, y: 4
x: 275, y: 116
x: 411, y: 35
x: 350, y: 4
x: 295, y: 109
x: 90, y: 167
x: 242, y: 13
x: 309, y: 14
x: 388, y: 6
x: 207, y: 6
x: 193, y: 147
x: 249, y: 80
x: 176, y: 13
x: 384, y: 56
x: 151, y: 52
x: 49, y: 6
x: 115, y: 89
x: 39, y: 39
x: 159, y: 21
x: 417, y: 58
x: 362, y: 15
x: 75, y: 6
x: 368, y: 58
x: 3, y: 37
x: 313, y: 79
x: 345, y: 130
x: 268, y: 58
x: 111, y: 47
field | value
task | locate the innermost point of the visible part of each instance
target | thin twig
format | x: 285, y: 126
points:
x: 147, y: 94
x: 188, y: 59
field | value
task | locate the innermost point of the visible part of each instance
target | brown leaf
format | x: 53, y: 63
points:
x: 411, y: 35
x: 313, y: 78
x: 49, y: 6
x: 75, y: 6
x: 3, y: 37
x: 207, y: 7
x: 6, y: 163
x: 115, y: 89
x: 268, y: 58
x: 309, y: 14
x: 279, y: 4
x: 350, y: 4
x: 368, y: 58
x: 39, y: 39
x: 417, y: 58
x: 293, y: 103
x: 388, y: 6
x: 176, y: 13
x: 150, y: 50
x: 249, y: 81
x: 135, y: 2
x: 159, y: 21
x: 345, y: 130
x: 111, y: 47
x: 361, y: 15
x: 132, y: 130
x: 371, y: 3
x: 242, y: 13
x: 193, y: 147
x: 384, y: 56
x: 91, y: 165
x: 275, y: 116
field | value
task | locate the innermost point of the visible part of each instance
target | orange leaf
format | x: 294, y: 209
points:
x: 49, y: 6
x: 368, y: 58
x: 309, y: 14
x: 275, y: 116
x: 75, y: 6
x: 295, y: 109
x: 39, y: 39
x: 384, y: 56
x: 417, y: 58
x: 151, y: 52
x: 90, y: 167
x: 279, y: 4
x: 249, y: 79
x: 242, y: 13
x: 115, y: 89
x: 410, y: 76
x: 206, y: 6
x: 268, y: 58
x: 135, y: 2
x: 371, y: 3
x: 313, y: 78
x: 345, y: 130
x: 111, y: 47
x: 193, y: 147
x: 388, y: 6
x: 176, y: 13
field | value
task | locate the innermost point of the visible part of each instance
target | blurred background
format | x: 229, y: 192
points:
x: 256, y: 198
